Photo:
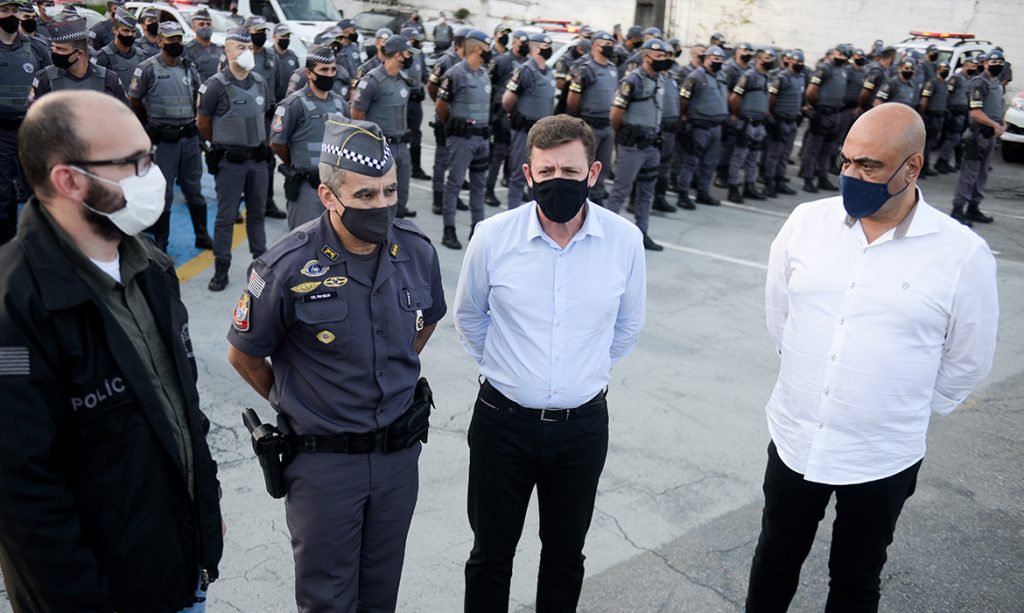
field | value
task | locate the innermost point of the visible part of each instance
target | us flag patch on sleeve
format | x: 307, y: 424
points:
x: 14, y: 362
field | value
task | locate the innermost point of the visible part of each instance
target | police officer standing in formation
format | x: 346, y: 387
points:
x: 348, y: 50
x: 934, y: 107
x: 442, y: 35
x: 464, y: 108
x: 266, y: 67
x: 201, y: 51
x: 511, y: 49
x: 529, y: 96
x: 577, y: 50
x: 102, y: 33
x: 631, y: 43
x: 231, y: 111
x: 823, y: 102
x: 901, y: 88
x: 636, y: 118
x: 670, y: 126
x: 163, y: 94
x: 343, y: 309
x: 286, y: 60
x: 417, y: 74
x: 19, y: 62
x: 374, y: 54
x: 149, y: 44
x: 342, y: 77
x: 985, y: 126
x: 594, y: 81
x: 28, y: 24
x: 382, y: 96
x: 414, y: 23
x: 732, y: 70
x: 748, y: 106
x: 297, y: 132
x: 704, y: 107
x: 855, y: 74
x: 875, y: 76
x: 785, y: 100
x: 956, y: 118
x: 71, y: 68
x: 448, y: 59
x: 120, y: 55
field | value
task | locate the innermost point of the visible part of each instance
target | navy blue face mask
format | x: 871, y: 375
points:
x: 863, y: 198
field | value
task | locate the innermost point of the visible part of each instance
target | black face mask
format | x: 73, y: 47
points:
x: 369, y: 225
x: 943, y: 74
x: 746, y: 57
x: 933, y: 56
x: 407, y: 63
x: 336, y: 48
x: 715, y: 67
x: 323, y: 82
x: 860, y: 61
x: 258, y: 39
x: 152, y: 28
x: 29, y: 25
x: 371, y: 51
x: 661, y: 65
x: 126, y: 41
x: 798, y: 68
x: 608, y: 51
x: 766, y: 66
x: 907, y: 74
x: 62, y: 61
x: 561, y: 199
x: 503, y: 40
x: 971, y: 72
x: 486, y: 55
x: 545, y: 53
x: 353, y: 37
x: 9, y: 24
x: 838, y: 61
x: 577, y: 52
x: 523, y: 49
x: 995, y: 69
x: 283, y: 43
x: 174, y: 49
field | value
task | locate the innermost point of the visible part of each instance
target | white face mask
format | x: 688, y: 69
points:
x: 246, y: 60
x: 144, y: 200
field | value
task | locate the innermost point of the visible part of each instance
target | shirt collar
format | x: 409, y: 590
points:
x: 591, y: 224
x: 916, y: 223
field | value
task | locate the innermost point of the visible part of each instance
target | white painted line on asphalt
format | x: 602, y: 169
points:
x: 716, y: 256
x: 994, y: 252
x: 997, y: 214
x: 755, y: 210
x: 430, y: 187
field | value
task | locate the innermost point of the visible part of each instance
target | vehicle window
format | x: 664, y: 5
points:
x: 309, y: 10
x: 264, y: 8
x: 372, y: 21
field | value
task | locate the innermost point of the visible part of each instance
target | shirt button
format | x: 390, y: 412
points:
x: 853, y: 285
x: 380, y: 412
x: 826, y: 392
x: 379, y: 332
x: 380, y: 373
x: 865, y: 250
x: 842, y: 320
x: 831, y: 357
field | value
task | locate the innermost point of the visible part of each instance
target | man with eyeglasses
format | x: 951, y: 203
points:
x: 109, y: 497
x: 71, y: 67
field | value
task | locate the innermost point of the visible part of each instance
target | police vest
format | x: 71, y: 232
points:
x: 709, y: 102
x: 17, y: 70
x: 940, y: 97
x: 958, y: 92
x: 873, y: 71
x: 147, y: 49
x: 415, y: 72
x: 243, y: 124
x: 169, y: 99
x: 596, y: 100
x: 670, y: 98
x: 755, y: 95
x: 992, y: 105
x: 205, y: 59
x: 122, y: 66
x: 473, y: 99
x: 95, y: 79
x: 266, y: 68
x: 388, y: 109
x: 790, y: 98
x: 308, y: 138
x: 644, y: 108
x: 832, y: 90
x: 854, y: 82
x: 902, y: 92
x: 539, y: 101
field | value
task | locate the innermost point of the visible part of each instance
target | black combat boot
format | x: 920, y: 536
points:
x: 660, y: 202
x: 958, y: 214
x: 491, y: 199
x: 769, y: 189
x: 751, y: 191
x: 975, y: 214
x: 450, y: 239
x: 417, y: 169
x: 220, y: 277
x: 685, y: 203
x: 734, y: 194
x: 943, y: 167
x: 650, y: 245
x: 706, y: 198
x: 825, y: 184
x: 810, y: 187
x: 438, y: 199
x: 273, y: 212
x: 197, y: 212
x: 783, y: 187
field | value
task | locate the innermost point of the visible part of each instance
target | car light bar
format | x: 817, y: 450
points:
x: 929, y: 34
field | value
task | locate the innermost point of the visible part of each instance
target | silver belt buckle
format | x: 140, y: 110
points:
x: 544, y: 417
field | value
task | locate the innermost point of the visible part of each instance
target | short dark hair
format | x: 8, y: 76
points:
x: 887, y: 54
x: 556, y: 130
x: 47, y: 137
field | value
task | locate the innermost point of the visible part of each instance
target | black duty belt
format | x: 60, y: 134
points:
x: 10, y: 123
x: 494, y: 399
x: 826, y: 110
x: 349, y: 442
x: 598, y: 123
x: 785, y: 117
x: 705, y: 124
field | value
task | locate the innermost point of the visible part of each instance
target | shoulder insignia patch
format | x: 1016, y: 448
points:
x: 394, y: 250
x: 14, y: 361
x: 241, y: 322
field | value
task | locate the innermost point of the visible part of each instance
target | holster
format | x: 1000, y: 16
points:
x: 272, y: 450
x: 413, y: 425
x: 213, y: 159
x: 520, y: 122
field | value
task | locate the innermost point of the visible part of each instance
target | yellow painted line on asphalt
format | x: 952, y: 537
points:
x: 204, y: 260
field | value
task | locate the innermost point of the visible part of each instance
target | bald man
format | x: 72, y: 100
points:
x: 884, y: 312
x: 108, y: 494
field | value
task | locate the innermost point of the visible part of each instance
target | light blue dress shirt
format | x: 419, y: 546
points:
x: 546, y: 324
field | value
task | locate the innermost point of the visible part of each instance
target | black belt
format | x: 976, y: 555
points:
x: 598, y: 123
x: 705, y: 124
x: 11, y: 123
x: 349, y: 442
x: 494, y: 399
x: 785, y: 117
x: 826, y: 110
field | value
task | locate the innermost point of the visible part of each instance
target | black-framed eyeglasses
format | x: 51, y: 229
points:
x: 141, y: 161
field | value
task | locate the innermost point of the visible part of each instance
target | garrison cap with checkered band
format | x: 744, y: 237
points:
x: 321, y: 54
x: 149, y: 13
x: 202, y: 14
x: 124, y: 18
x: 67, y: 31
x: 355, y: 146
x: 170, y: 28
x: 239, y: 34
x: 256, y: 22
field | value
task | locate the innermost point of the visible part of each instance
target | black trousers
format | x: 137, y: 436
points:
x: 866, y: 516
x: 510, y: 453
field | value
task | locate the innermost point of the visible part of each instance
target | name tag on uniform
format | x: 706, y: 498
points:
x: 419, y: 320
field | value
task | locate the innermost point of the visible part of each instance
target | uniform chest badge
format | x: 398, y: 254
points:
x: 325, y: 336
x: 303, y: 288
x: 330, y: 253
x: 394, y: 250
x: 419, y: 320
x: 335, y: 281
x: 314, y: 269
x: 241, y: 322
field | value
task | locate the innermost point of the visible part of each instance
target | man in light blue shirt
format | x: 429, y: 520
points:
x: 551, y: 295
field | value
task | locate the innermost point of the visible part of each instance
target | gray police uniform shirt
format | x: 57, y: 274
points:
x: 122, y: 65
x: 596, y: 83
x: 708, y: 98
x: 641, y: 96
x: 97, y: 79
x: 147, y: 48
x: 213, y: 99
x: 446, y: 61
x: 102, y: 34
x: 896, y: 90
x: 166, y: 103
x: 936, y: 90
x: 752, y: 87
x: 957, y: 83
x: 467, y: 93
x: 986, y: 94
x: 301, y: 116
x: 788, y: 89
x: 831, y: 82
x: 206, y: 58
x: 377, y: 93
x: 287, y: 63
x: 349, y: 58
x: 17, y: 82
x: 341, y: 343
x: 875, y: 76
x: 535, y: 89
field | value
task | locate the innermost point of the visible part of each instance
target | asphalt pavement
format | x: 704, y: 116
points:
x: 679, y: 502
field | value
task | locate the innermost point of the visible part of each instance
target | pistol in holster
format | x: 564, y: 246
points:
x: 271, y: 447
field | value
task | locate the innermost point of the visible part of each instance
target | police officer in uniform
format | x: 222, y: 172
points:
x: 824, y: 102
x: 985, y: 126
x: 417, y: 74
x: 636, y: 55
x: 71, y: 68
x: 297, y: 133
x: 704, y: 107
x: 594, y: 81
x: 382, y: 96
x: 121, y: 55
x: 670, y: 125
x: 529, y: 96
x: 501, y: 68
x: 855, y: 74
x: 149, y: 44
x: 900, y: 88
x: 956, y: 118
x: 464, y: 107
x: 636, y: 118
x: 163, y: 95
x: 102, y: 33
x: 578, y: 49
x: 442, y: 35
x: 748, y: 105
x: 375, y: 56
x: 231, y: 111
x: 343, y: 307
x: 348, y: 47
x: 875, y: 76
x: 342, y: 77
x: 286, y: 60
x: 266, y: 67
x: 452, y: 56
x: 934, y: 106
x: 28, y: 24
x: 785, y: 99
x: 201, y: 51
x: 19, y: 62
x: 732, y: 70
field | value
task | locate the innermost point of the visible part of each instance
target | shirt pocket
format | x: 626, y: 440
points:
x: 325, y: 326
x: 413, y: 303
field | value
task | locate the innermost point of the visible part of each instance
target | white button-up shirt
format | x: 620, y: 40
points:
x: 546, y: 324
x: 874, y: 338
